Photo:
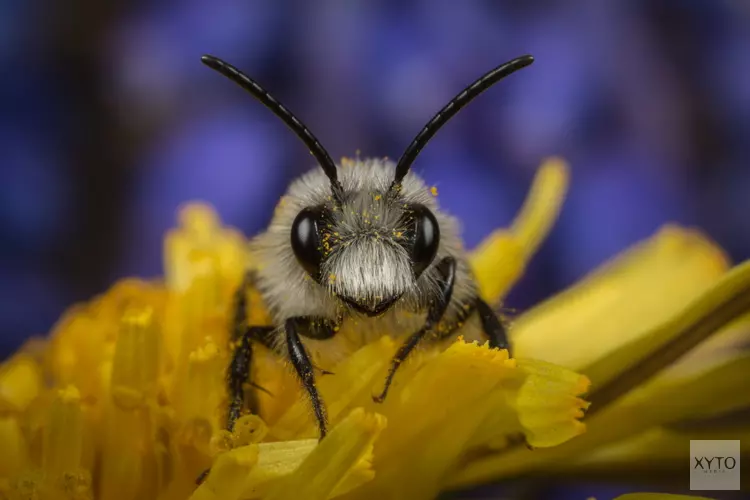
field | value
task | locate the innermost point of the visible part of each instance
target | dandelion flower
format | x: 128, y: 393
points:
x: 126, y: 398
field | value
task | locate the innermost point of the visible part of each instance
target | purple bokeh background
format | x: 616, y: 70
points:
x: 108, y: 121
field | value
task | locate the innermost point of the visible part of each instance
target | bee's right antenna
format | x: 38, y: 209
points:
x: 299, y: 128
x: 450, y: 110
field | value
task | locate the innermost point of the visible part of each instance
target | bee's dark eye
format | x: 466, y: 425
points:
x: 424, y: 236
x: 306, y: 239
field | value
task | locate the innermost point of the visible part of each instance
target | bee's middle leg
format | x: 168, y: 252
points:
x: 242, y: 338
x: 238, y: 372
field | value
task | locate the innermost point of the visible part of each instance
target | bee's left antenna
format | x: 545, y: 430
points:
x: 299, y: 128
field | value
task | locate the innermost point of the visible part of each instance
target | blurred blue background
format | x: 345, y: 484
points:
x: 109, y: 121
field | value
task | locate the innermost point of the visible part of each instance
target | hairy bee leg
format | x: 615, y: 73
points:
x: 268, y: 340
x: 237, y: 374
x: 242, y: 337
x: 447, y: 269
x: 239, y: 368
x: 492, y: 326
x: 301, y: 362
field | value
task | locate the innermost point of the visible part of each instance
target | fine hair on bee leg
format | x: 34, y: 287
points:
x: 242, y: 337
x: 447, y: 270
x: 313, y: 328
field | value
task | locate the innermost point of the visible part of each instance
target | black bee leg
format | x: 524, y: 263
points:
x: 237, y: 374
x: 313, y: 328
x: 492, y: 326
x: 447, y: 270
x: 242, y: 337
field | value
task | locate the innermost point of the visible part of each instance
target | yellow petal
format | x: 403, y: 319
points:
x: 83, y: 342
x: 481, y: 396
x: 135, y: 369
x: 699, y: 397
x: 717, y: 350
x: 122, y: 454
x: 659, y: 449
x: 498, y: 262
x: 79, y: 350
x: 20, y: 383
x: 587, y: 327
x: 128, y: 445
x: 547, y: 404
x: 542, y: 205
x: 203, y: 392
x: 275, y: 461
x: 228, y: 475
x: 501, y: 258
x: 725, y: 303
x: 15, y: 456
x: 654, y: 403
x: 63, y: 436
x: 200, y: 230
x: 347, y: 447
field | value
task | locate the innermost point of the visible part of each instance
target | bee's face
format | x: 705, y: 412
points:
x: 369, y: 251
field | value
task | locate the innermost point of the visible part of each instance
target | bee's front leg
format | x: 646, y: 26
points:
x: 447, y: 270
x: 312, y: 327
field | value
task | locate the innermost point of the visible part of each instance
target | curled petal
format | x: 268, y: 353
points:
x: 442, y: 406
x: 603, y: 323
x: 501, y: 258
x: 345, y: 450
x: 548, y: 405
x: 228, y: 475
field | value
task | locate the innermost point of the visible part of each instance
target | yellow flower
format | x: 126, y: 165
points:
x: 126, y: 399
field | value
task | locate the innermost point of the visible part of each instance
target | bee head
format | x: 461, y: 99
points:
x: 368, y: 251
x: 367, y: 246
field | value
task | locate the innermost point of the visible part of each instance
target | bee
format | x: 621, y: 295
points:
x: 362, y: 243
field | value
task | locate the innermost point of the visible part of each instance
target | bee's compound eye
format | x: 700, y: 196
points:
x: 306, y: 241
x: 426, y: 238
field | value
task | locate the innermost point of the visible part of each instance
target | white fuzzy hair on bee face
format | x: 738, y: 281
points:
x: 366, y: 261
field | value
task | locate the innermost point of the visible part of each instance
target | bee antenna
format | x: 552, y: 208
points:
x: 294, y: 123
x: 451, y: 109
